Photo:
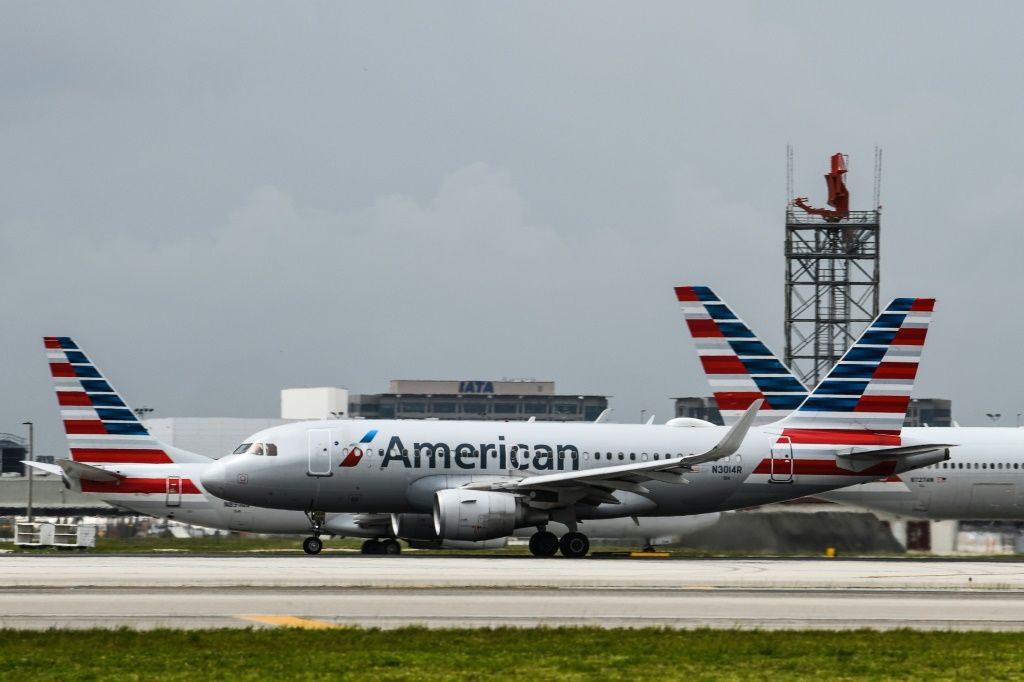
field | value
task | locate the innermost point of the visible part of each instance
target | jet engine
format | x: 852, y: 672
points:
x: 413, y: 526
x: 463, y: 514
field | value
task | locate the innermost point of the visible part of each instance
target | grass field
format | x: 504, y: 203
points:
x: 546, y: 654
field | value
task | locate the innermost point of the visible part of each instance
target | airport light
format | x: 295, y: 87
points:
x: 31, y: 469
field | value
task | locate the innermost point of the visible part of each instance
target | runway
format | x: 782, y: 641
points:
x: 150, y: 591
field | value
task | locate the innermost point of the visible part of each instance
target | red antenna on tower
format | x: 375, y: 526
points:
x: 838, y: 195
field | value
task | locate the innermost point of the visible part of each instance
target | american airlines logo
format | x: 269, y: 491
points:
x: 482, y: 456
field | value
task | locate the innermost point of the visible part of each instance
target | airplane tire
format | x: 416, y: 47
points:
x: 574, y: 545
x: 543, y: 543
x: 312, y: 545
x: 371, y: 547
x: 390, y: 547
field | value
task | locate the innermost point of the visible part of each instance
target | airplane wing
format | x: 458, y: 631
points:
x: 629, y: 477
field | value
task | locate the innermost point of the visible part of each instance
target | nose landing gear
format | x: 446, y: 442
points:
x: 314, y: 544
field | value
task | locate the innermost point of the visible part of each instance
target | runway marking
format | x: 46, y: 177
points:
x: 292, y: 622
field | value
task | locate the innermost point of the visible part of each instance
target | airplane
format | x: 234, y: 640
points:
x: 114, y: 458
x: 982, y: 481
x: 482, y: 480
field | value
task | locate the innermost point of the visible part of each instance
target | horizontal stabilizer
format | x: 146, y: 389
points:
x: 87, y: 472
x: 44, y: 467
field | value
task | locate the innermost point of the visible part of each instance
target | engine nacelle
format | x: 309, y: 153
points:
x: 413, y: 526
x: 463, y: 514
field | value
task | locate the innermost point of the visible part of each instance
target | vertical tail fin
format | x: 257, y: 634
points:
x: 739, y: 367
x: 101, y: 428
x: 864, y: 398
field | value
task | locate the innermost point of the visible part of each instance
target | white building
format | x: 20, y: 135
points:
x: 314, y: 403
x: 210, y: 436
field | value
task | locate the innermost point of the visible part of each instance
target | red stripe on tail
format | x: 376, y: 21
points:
x: 73, y: 399
x: 84, y: 426
x: 62, y: 370
x: 842, y: 437
x: 895, y: 370
x: 722, y: 364
x: 686, y: 294
x: 703, y: 329
x: 825, y: 467
x: 896, y: 404
x: 120, y: 456
x: 137, y: 485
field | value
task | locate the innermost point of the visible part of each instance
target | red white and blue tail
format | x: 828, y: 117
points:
x: 863, y: 400
x: 739, y: 367
x: 100, y: 426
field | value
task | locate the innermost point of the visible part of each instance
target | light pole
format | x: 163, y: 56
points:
x: 31, y: 469
x: 643, y: 413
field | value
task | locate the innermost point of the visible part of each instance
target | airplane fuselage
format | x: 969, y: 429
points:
x: 397, y: 466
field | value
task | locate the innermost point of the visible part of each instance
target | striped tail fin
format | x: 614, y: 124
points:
x: 863, y: 400
x: 100, y: 426
x: 739, y: 367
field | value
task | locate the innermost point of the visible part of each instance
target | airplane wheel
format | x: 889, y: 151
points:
x: 370, y: 547
x: 312, y: 545
x: 543, y: 543
x: 390, y: 547
x: 574, y: 545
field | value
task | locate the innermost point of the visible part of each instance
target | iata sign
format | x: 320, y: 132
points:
x: 476, y: 387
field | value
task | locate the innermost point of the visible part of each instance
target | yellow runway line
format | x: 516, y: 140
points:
x: 292, y: 622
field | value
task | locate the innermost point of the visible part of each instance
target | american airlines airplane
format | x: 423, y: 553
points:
x: 482, y: 480
x: 983, y: 479
x: 114, y: 458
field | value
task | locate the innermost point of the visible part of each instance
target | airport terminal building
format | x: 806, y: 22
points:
x: 515, y: 400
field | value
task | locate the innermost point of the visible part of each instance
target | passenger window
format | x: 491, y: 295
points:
x: 632, y: 456
x: 621, y: 456
x: 271, y: 450
x: 643, y: 457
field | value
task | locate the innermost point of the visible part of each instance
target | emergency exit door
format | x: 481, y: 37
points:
x: 173, y: 491
x: 782, y: 461
x: 319, y: 452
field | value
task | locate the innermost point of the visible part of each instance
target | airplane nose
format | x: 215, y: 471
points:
x: 213, y: 478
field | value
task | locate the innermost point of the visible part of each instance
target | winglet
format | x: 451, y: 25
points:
x: 733, y: 438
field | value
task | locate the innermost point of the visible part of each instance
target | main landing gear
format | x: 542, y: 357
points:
x: 312, y: 545
x: 573, y: 545
x: 387, y: 546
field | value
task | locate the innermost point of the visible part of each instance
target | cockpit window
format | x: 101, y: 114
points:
x: 241, y: 448
x: 271, y: 449
x: 256, y: 449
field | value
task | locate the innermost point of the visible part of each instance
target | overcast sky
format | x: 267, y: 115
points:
x: 219, y: 200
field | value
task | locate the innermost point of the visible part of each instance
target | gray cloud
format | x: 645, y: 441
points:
x: 219, y: 201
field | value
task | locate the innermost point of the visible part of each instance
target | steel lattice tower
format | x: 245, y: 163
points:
x: 832, y: 277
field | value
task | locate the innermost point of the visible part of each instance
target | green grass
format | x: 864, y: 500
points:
x: 543, y: 654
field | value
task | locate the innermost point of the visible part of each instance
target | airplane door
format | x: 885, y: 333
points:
x: 174, y: 491
x: 319, y: 452
x: 782, y: 461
